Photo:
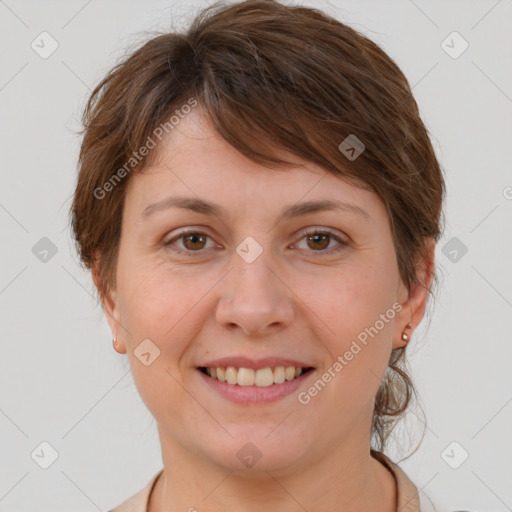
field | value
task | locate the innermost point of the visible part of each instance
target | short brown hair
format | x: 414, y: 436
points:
x: 269, y: 77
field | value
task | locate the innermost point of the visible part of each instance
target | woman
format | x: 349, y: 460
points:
x: 259, y: 202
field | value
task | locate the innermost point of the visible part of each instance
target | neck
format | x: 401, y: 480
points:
x: 346, y: 479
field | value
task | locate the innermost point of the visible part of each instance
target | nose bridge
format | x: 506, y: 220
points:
x: 253, y: 276
x: 253, y: 297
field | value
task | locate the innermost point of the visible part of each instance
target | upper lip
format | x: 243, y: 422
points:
x: 255, y: 364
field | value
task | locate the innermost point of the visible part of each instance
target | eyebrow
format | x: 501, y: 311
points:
x: 296, y: 210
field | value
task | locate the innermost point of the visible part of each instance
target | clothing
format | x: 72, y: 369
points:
x: 408, y: 498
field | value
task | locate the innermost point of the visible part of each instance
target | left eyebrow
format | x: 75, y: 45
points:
x: 296, y: 210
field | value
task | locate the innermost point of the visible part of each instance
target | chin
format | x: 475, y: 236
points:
x: 254, y: 450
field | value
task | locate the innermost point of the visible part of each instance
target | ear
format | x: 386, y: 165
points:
x: 110, y: 309
x: 414, y: 304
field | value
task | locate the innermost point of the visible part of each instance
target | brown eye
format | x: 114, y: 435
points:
x: 191, y: 241
x: 194, y: 241
x: 318, y: 240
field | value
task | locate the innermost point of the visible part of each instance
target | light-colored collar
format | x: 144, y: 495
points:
x: 139, y: 501
x: 407, y: 494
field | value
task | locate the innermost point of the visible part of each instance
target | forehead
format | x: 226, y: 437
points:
x: 193, y: 160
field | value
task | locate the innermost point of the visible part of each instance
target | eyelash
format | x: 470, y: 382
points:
x: 183, y: 234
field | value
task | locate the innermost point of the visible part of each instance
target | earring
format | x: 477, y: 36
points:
x: 404, y: 336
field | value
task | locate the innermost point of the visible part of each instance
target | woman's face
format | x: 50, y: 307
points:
x: 251, y: 289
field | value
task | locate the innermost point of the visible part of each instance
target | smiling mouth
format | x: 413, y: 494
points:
x: 263, y: 377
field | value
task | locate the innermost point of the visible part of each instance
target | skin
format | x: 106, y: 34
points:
x: 295, y: 300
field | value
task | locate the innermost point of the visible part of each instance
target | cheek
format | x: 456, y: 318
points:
x: 152, y: 298
x: 162, y: 310
x: 355, y: 298
x: 170, y: 308
x: 358, y: 316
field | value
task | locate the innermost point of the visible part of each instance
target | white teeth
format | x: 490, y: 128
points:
x: 245, y: 377
x: 279, y: 375
x: 221, y: 374
x: 262, y: 377
x: 231, y: 375
x: 289, y: 373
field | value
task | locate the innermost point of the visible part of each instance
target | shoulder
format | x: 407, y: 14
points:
x: 139, y: 501
x: 409, y: 498
x: 407, y: 494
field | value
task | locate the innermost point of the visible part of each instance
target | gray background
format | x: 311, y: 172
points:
x: 61, y: 381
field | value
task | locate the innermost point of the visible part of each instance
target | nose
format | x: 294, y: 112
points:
x: 255, y: 298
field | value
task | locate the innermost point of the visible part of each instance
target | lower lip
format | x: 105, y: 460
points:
x: 255, y: 394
